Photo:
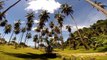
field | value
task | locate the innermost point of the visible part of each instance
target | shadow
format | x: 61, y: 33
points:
x: 33, y: 56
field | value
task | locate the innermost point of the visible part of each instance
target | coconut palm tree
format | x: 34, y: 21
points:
x: 1, y: 4
x: 51, y: 24
x: 28, y: 36
x: 23, y: 30
x: 68, y: 28
x: 59, y: 17
x: 57, y: 30
x: 30, y: 16
x: 3, y: 23
x: 7, y: 29
x: 35, y: 39
x: 44, y: 16
x: 98, y: 6
x: 3, y: 13
x: 67, y: 10
x: 16, y: 29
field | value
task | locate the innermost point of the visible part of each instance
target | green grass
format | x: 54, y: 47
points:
x: 9, y: 53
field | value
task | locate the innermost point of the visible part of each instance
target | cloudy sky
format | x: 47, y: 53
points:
x: 84, y: 13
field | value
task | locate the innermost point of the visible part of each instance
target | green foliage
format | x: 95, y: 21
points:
x: 102, y: 49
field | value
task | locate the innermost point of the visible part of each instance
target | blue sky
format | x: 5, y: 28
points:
x: 84, y: 13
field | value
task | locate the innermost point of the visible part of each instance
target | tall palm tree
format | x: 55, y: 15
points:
x: 67, y: 10
x: 3, y: 23
x: 3, y: 13
x: 23, y: 30
x: 97, y: 6
x: 30, y: 16
x: 69, y: 39
x: 7, y: 29
x: 59, y: 17
x: 44, y: 16
x: 28, y: 36
x: 100, y: 4
x: 35, y: 39
x: 16, y: 29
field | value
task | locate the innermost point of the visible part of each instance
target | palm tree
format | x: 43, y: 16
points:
x: 30, y: 16
x: 51, y: 24
x: 1, y: 4
x: 7, y: 29
x: 23, y: 30
x: 60, y: 19
x: 99, y: 6
x: 35, y: 38
x: 3, y: 13
x: 69, y: 39
x: 67, y: 10
x: 3, y: 23
x: 44, y: 16
x: 28, y: 36
x: 57, y: 30
x: 16, y: 29
x: 68, y: 28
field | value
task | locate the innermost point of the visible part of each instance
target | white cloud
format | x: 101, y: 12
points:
x: 49, y: 5
x: 36, y: 21
x: 33, y: 29
x: 73, y: 27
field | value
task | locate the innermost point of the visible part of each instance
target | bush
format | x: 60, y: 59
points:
x: 102, y: 49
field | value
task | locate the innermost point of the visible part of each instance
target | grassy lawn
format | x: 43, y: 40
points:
x: 9, y: 53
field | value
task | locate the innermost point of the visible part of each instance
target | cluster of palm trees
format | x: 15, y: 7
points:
x: 51, y: 35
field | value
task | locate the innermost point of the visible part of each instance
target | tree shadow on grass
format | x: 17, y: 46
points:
x: 33, y: 56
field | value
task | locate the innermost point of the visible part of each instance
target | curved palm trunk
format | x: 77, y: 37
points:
x: 98, y: 7
x: 11, y: 37
x: 2, y: 14
x: 85, y: 45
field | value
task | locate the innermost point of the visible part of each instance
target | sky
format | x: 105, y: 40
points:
x: 84, y: 14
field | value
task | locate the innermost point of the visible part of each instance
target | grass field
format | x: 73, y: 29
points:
x: 9, y: 53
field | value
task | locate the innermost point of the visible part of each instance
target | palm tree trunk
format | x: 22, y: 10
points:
x: 98, y: 7
x: 2, y: 14
x: 35, y: 45
x: 11, y: 37
x: 21, y: 38
x: 85, y: 45
x: 25, y: 37
x: 62, y: 42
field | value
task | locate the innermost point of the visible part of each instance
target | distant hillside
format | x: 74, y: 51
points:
x: 95, y: 36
